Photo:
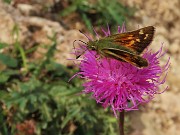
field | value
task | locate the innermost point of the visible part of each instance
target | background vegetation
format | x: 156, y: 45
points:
x: 36, y: 97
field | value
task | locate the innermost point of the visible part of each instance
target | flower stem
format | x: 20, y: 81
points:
x: 121, y: 123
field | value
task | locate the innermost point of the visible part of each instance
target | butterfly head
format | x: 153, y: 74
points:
x: 92, y: 45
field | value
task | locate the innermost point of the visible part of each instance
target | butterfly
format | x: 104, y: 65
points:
x: 126, y: 47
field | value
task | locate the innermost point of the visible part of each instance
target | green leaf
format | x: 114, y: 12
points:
x: 72, y: 8
x: 46, y: 112
x: 3, y: 45
x: 4, y: 76
x: 9, y: 61
x: 68, y: 10
x: 73, y: 112
x: 3, y: 95
x: 22, y: 104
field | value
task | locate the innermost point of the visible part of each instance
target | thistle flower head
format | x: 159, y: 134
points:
x: 118, y: 84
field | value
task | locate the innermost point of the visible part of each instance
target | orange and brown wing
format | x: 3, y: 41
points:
x: 122, y: 55
x: 136, y: 40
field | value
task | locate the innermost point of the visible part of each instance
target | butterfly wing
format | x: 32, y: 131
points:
x: 136, y: 40
x: 123, y: 55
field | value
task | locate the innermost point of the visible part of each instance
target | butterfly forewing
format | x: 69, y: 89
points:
x: 136, y: 40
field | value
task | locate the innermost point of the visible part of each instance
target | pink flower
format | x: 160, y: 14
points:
x: 120, y: 84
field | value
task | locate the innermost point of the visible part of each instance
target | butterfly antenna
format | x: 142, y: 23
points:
x: 85, y: 35
x: 83, y: 42
x: 73, y: 44
x: 97, y: 35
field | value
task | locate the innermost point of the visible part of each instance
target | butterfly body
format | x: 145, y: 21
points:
x: 125, y: 47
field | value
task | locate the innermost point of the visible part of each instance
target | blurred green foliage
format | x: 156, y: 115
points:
x: 99, y: 12
x: 40, y: 91
x: 7, y: 1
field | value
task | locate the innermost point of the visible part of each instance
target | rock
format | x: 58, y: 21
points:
x: 27, y: 9
x: 175, y: 47
x: 6, y: 25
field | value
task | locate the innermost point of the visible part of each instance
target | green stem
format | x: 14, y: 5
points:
x: 15, y: 33
x: 121, y: 123
x: 22, y: 53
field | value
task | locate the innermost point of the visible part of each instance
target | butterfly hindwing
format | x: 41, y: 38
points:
x: 122, y: 55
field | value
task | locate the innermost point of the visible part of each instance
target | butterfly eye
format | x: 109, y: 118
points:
x: 92, y: 47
